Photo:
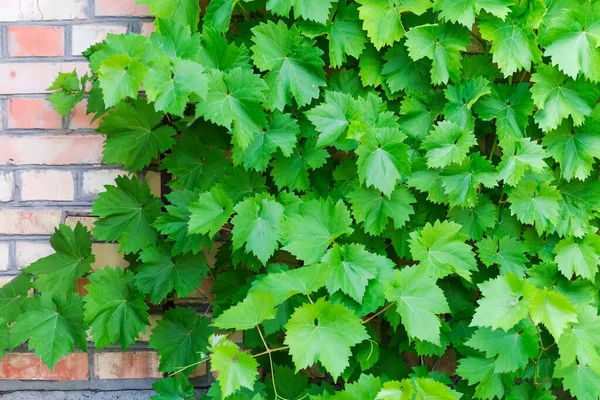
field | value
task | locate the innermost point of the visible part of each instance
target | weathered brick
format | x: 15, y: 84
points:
x: 154, y: 181
x: 5, y: 279
x: 24, y: 113
x: 86, y: 35
x: 26, y: 366
x: 200, y: 370
x: 47, y: 185
x: 51, y: 149
x: 42, y: 10
x: 29, y: 252
x: 107, y: 254
x: 7, y: 180
x: 147, y: 28
x: 153, y: 318
x: 131, y: 365
x: 120, y: 8
x: 15, y: 221
x: 80, y: 119
x: 4, y: 257
x: 88, y: 222
x: 43, y: 41
x: 24, y: 77
x: 94, y: 181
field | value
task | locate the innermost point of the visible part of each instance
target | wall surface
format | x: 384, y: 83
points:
x: 50, y: 170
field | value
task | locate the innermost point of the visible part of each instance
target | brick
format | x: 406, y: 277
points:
x: 4, y: 257
x: 42, y: 10
x: 200, y: 370
x: 153, y: 318
x: 107, y: 254
x: 26, y: 366
x: 81, y: 290
x: 42, y: 41
x: 94, y: 181
x: 86, y: 35
x: 7, y: 180
x: 51, y: 149
x: 147, y: 28
x: 47, y: 185
x: 154, y: 181
x: 15, y: 221
x: 29, y: 252
x: 131, y: 365
x: 5, y: 279
x: 32, y: 114
x: 88, y: 222
x: 120, y: 8
x: 16, y: 78
x: 80, y: 119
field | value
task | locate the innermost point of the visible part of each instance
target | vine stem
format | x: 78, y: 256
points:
x: 542, y: 350
x: 269, y: 351
x: 378, y: 313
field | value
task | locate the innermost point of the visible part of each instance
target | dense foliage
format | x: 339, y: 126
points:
x: 402, y: 196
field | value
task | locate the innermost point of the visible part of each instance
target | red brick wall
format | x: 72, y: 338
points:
x: 50, y: 167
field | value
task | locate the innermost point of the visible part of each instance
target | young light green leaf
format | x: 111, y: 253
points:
x: 256, y: 308
x: 210, y: 212
x: 447, y: 144
x: 465, y: 11
x: 554, y: 311
x: 184, y: 12
x: 507, y: 252
x: 579, y: 257
x: 519, y: 156
x: 235, y: 368
x: 120, y: 76
x: 581, y: 341
x: 581, y: 381
x: 305, y: 9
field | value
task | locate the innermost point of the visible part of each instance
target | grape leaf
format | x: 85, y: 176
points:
x: 507, y: 252
x: 305, y: 9
x: 173, y: 388
x: 464, y: 11
x: 461, y: 99
x: 120, y: 76
x: 215, y: 53
x: 579, y: 257
x: 535, y: 204
x: 235, y: 368
x: 210, y: 212
x: 581, y: 341
x: 554, y: 311
x: 256, y: 308
x: 480, y: 371
x: 461, y: 182
x: 518, y: 157
x: 13, y: 295
x: 447, y: 144
x: 184, y: 12
x: 402, y: 73
x: 581, y: 381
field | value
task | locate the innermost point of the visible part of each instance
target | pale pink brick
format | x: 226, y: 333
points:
x: 47, y: 185
x: 26, y: 113
x: 94, y: 181
x: 80, y: 119
x: 42, y: 10
x: 86, y: 35
x: 29, y: 252
x: 88, y: 222
x: 120, y: 8
x: 4, y: 257
x: 26, y: 366
x: 5, y: 279
x: 147, y: 28
x: 7, y: 180
x: 28, y: 221
x: 28, y: 41
x: 107, y: 254
x: 22, y: 78
x: 129, y: 365
x: 51, y: 149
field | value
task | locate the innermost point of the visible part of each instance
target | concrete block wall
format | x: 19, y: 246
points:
x: 51, y: 171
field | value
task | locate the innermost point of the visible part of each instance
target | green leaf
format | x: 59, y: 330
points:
x: 234, y: 101
x: 126, y: 213
x: 235, y: 368
x: 323, y: 332
x: 442, y: 44
x: 218, y: 14
x: 53, y: 324
x: 402, y: 73
x: 461, y: 182
x: 504, y: 303
x: 535, y: 204
x: 559, y: 97
x: 575, y: 149
x: 257, y: 226
x: 382, y: 158
x: 114, y: 308
x: 184, y: 12
x: 465, y: 11
x: 73, y: 256
x: 447, y: 144
x: 352, y: 267
x: 305, y: 9
x: 374, y: 210
x: 581, y: 341
x: 518, y: 157
x: 308, y: 233
x: 366, y: 387
x: 441, y: 250
x: 394, y: 390
x: 210, y: 212
x: 256, y: 308
x: 345, y: 35
x: 285, y: 284
x: 480, y: 371
x: 554, y: 311
x: 579, y: 257
x: 63, y: 102
x: 160, y: 274
x: 429, y: 388
x: 381, y: 18
x: 513, y: 347
x: 461, y: 99
x: 475, y: 221
x: 507, y: 252
x: 418, y: 301
x: 174, y: 41
x: 510, y: 106
x: 181, y: 340
x: 174, y: 388
x: 13, y: 296
x: 582, y: 382
x: 333, y: 117
x: 294, y: 64
x: 216, y: 53
x: 134, y: 135
x: 120, y: 76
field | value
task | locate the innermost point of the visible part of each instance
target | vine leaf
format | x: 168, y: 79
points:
x: 120, y: 76
x: 518, y: 157
x: 535, y: 204
x: 581, y: 381
x: 236, y: 368
x: 579, y: 257
x: 114, y: 308
x: 582, y: 340
x: 210, y: 212
x: 256, y: 308
x: 173, y: 388
x: 184, y: 12
x: 554, y: 311
x: 317, y: 12
x: 323, y: 332
x: 418, y: 300
x: 181, y: 339
x: 507, y: 252
x: 464, y: 11
x: 447, y: 144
